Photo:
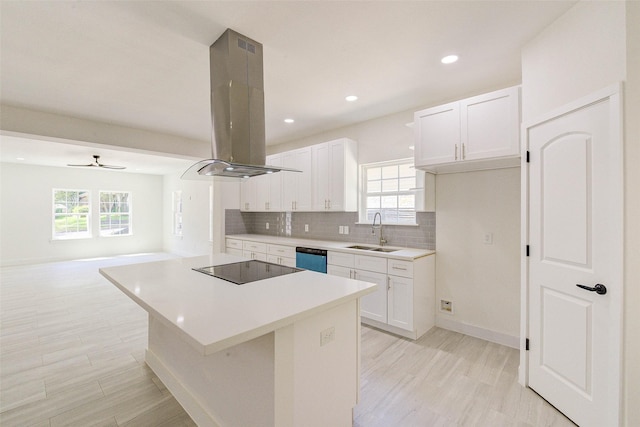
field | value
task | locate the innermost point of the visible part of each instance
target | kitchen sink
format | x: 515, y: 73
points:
x: 371, y: 248
x: 363, y: 248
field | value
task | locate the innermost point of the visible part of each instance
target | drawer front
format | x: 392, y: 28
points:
x: 370, y: 263
x: 400, y: 268
x: 233, y: 243
x: 254, y: 246
x: 281, y: 251
x: 234, y: 251
x: 340, y: 258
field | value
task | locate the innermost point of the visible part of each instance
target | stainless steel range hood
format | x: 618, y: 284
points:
x: 237, y: 111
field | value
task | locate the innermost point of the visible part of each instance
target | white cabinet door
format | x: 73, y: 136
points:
x: 259, y: 256
x: 490, y: 125
x: 275, y: 184
x: 343, y: 175
x: 374, y: 305
x: 248, y: 195
x: 400, y: 302
x: 289, y: 262
x: 296, y: 186
x: 335, y: 175
x: 336, y: 270
x: 437, y: 135
x: 320, y: 176
x: 234, y: 251
x: 261, y: 185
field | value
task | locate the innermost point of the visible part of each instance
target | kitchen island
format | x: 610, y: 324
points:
x: 282, y: 351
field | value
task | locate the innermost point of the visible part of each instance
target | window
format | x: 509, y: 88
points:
x: 71, y: 214
x: 389, y: 188
x: 115, y: 213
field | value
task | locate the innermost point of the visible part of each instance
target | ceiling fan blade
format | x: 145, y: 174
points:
x: 97, y: 163
x: 112, y: 167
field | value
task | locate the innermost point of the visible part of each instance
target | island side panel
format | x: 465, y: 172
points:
x: 317, y: 369
x: 232, y: 387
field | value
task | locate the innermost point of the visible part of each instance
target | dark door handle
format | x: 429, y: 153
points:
x: 598, y: 289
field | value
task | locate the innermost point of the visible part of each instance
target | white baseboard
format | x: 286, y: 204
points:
x: 477, y: 332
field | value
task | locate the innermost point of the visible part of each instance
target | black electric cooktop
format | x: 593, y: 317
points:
x: 246, y: 271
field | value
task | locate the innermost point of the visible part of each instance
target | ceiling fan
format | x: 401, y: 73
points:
x: 96, y: 163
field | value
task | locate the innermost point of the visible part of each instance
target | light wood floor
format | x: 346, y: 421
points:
x: 72, y: 353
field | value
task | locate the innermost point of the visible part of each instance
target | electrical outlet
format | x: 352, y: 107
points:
x: 327, y: 335
x: 340, y: 229
x: 306, y: 228
x: 346, y: 229
x: 488, y: 239
x: 446, y: 306
x: 267, y: 226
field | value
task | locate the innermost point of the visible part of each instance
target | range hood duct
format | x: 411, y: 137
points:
x: 237, y: 111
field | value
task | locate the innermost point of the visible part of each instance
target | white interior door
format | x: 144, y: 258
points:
x: 575, y: 238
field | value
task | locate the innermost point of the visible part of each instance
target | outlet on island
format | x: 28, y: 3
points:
x: 327, y: 336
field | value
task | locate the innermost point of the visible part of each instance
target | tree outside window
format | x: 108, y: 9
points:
x: 115, y: 213
x: 71, y: 214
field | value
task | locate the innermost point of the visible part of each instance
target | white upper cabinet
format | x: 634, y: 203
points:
x: 274, y: 184
x: 328, y: 181
x: 296, y: 186
x: 438, y: 133
x: 335, y: 176
x: 263, y: 193
x: 248, y: 195
x: 481, y: 132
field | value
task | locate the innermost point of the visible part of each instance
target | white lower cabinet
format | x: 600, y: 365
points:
x: 281, y: 254
x: 374, y: 306
x: 254, y: 250
x: 404, y: 302
x: 400, y: 302
x: 233, y: 246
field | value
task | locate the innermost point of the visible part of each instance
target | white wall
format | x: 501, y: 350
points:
x: 26, y: 222
x: 632, y: 215
x: 596, y: 44
x: 195, y: 214
x: 481, y: 280
x: 581, y: 52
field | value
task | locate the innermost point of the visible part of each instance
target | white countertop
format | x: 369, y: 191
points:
x: 400, y: 253
x: 213, y: 314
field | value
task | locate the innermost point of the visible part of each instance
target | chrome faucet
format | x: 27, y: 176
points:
x: 373, y: 227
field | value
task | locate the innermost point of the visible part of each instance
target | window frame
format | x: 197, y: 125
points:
x: 88, y: 234
x: 129, y: 212
x: 363, y: 194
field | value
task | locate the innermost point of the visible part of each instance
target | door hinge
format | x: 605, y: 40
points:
x: 527, y: 156
x: 527, y: 250
x: 526, y: 344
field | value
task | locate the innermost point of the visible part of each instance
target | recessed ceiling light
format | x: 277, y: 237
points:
x: 19, y: 158
x: 289, y: 120
x: 412, y: 147
x: 449, y: 59
x: 351, y: 98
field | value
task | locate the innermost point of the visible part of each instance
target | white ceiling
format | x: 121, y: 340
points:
x: 146, y: 64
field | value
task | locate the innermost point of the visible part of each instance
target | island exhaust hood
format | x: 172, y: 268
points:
x: 237, y: 111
